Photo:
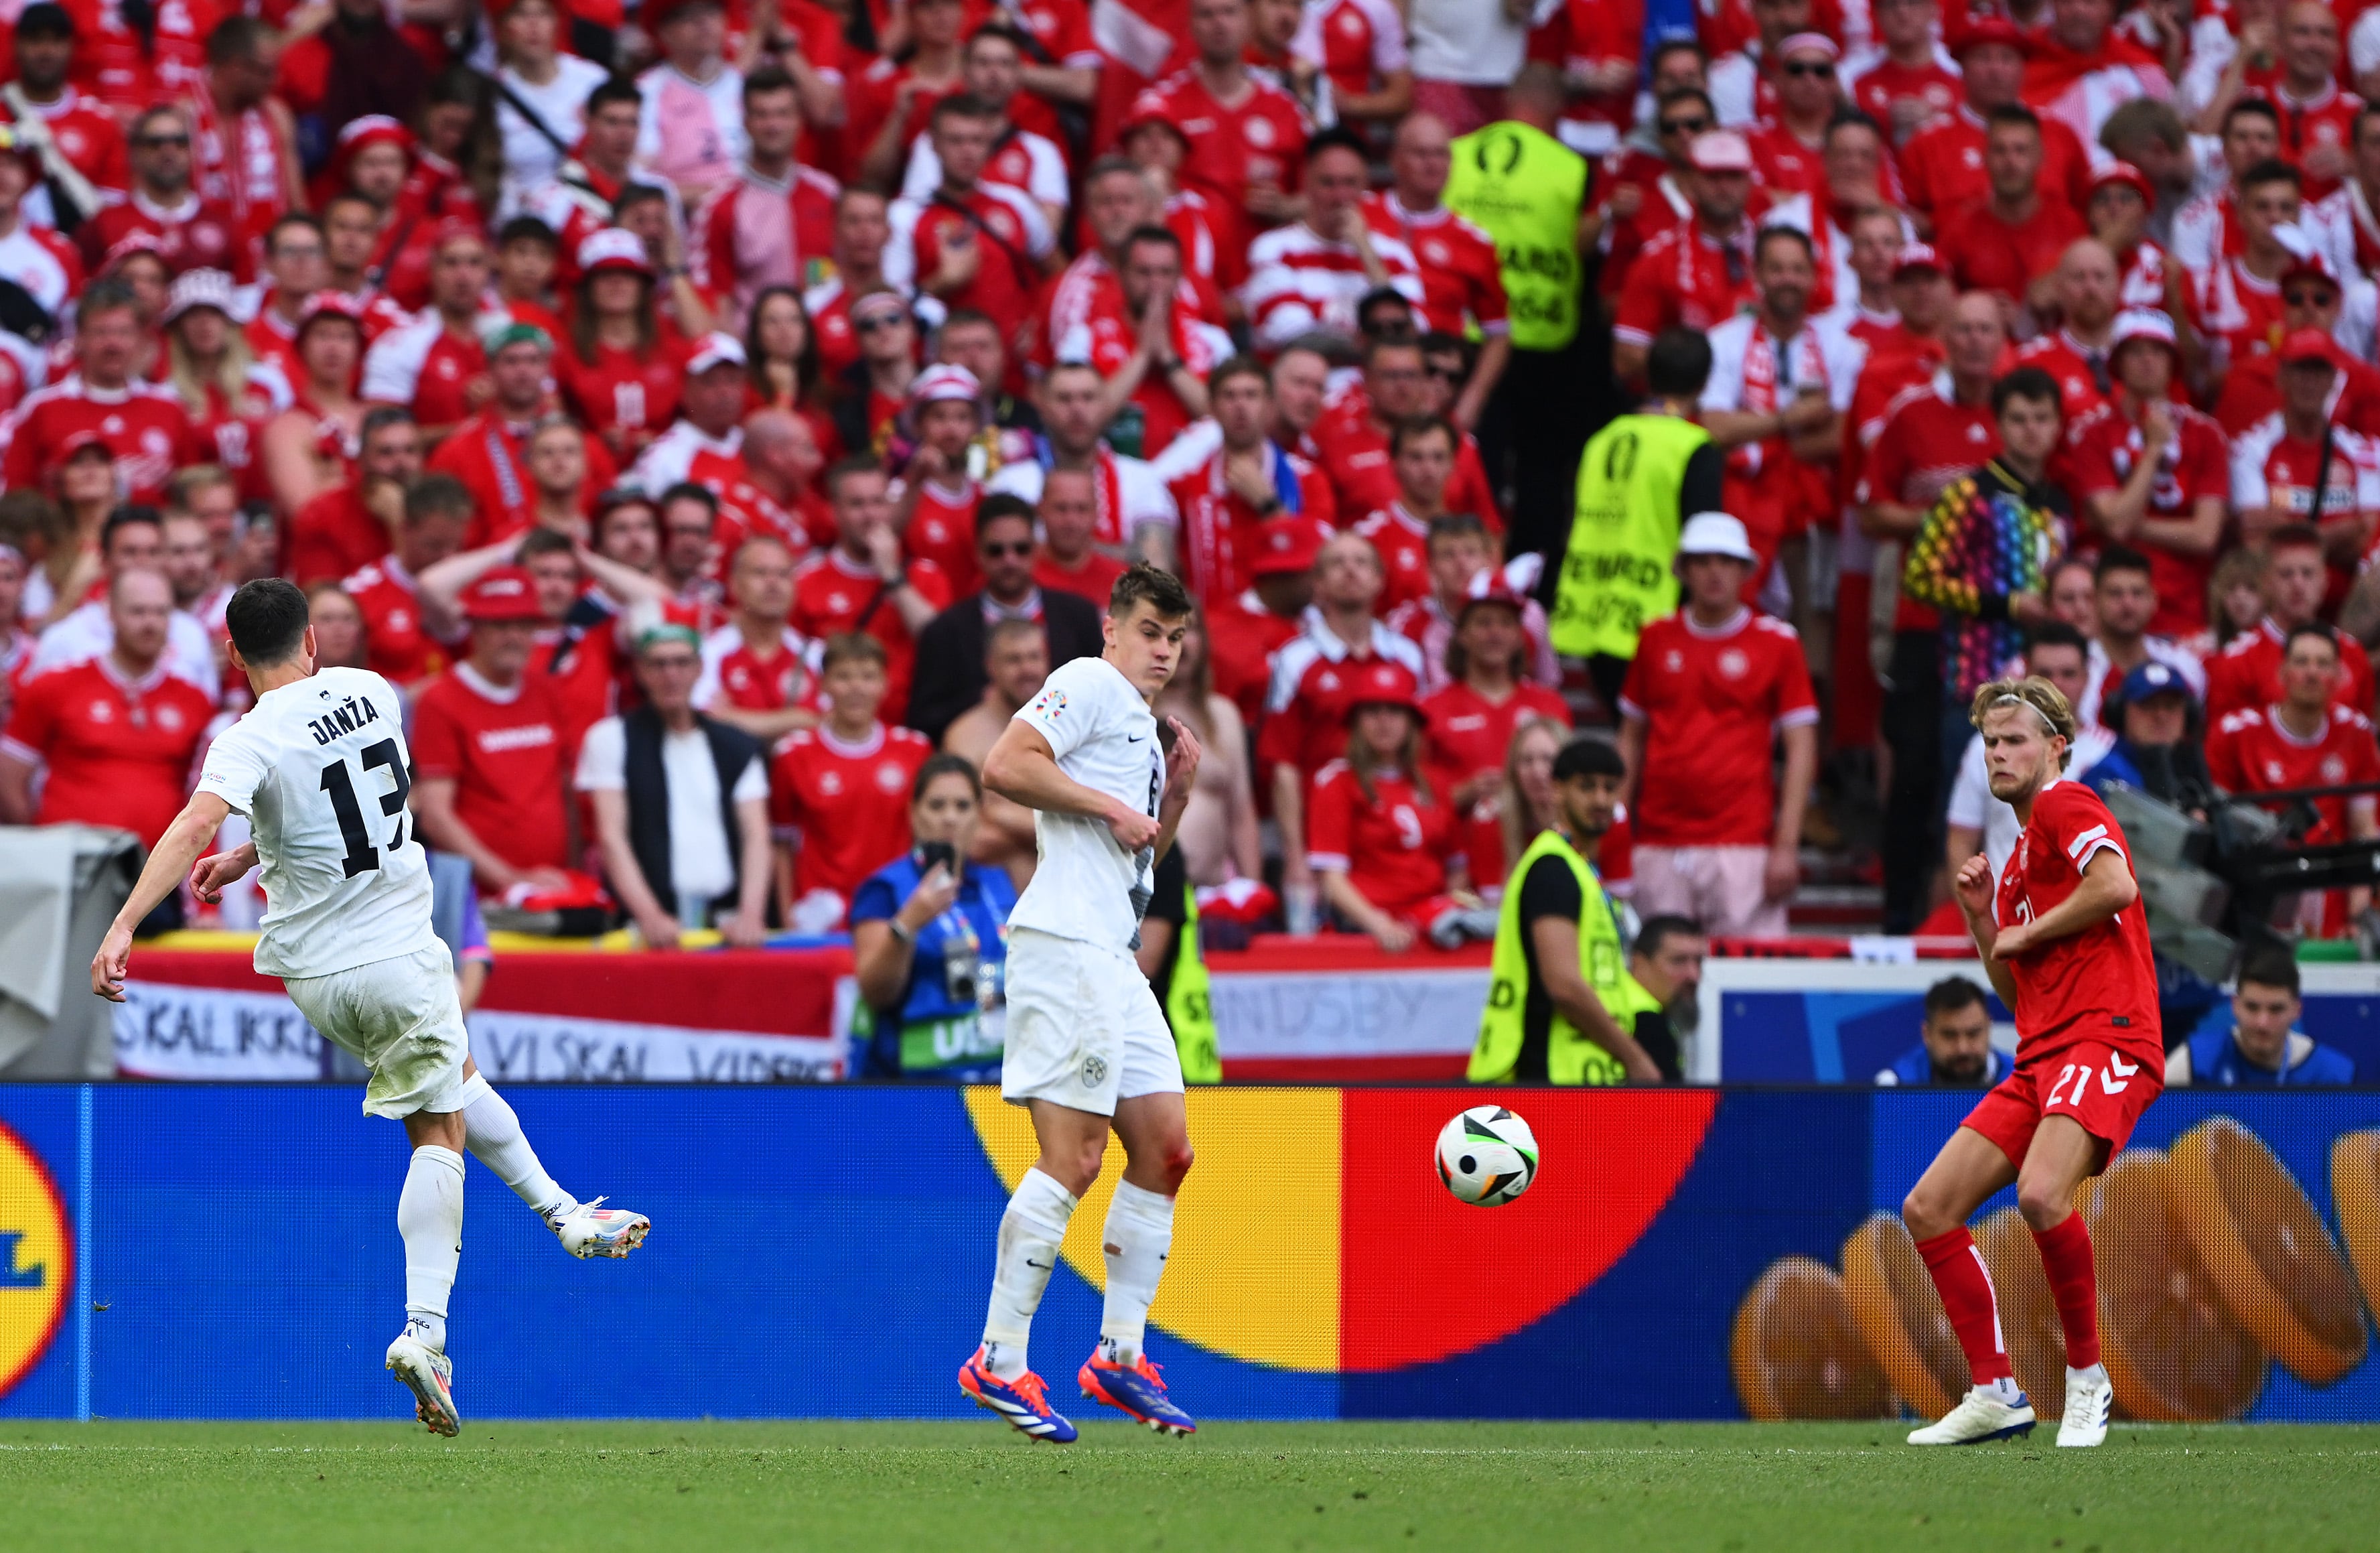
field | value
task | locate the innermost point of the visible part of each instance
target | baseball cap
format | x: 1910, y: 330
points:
x: 1150, y: 107
x: 1383, y: 683
x: 1286, y: 545
x: 329, y: 304
x: 199, y: 289
x: 716, y: 351
x: 2311, y: 344
x: 1720, y: 150
x: 2124, y: 173
x: 614, y: 248
x: 944, y: 381
x: 508, y: 331
x: 1715, y: 533
x: 506, y: 593
x: 1991, y: 28
x: 2156, y: 679
x: 2142, y: 324
x: 73, y: 443
x: 1918, y: 256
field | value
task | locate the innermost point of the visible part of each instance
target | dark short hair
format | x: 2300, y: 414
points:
x: 853, y: 646
x: 2252, y: 107
x: 1002, y: 31
x: 850, y: 464
x: 942, y: 765
x: 1162, y: 237
x: 526, y: 229
x: 1848, y: 118
x: 126, y: 518
x: 2293, y: 536
x: 2271, y: 170
x: 766, y: 80
x: 549, y: 542
x: 2012, y: 113
x: 2120, y: 558
x: 2056, y: 633
x: 1455, y: 526
x: 301, y: 219
x: 1421, y: 426
x: 437, y: 495
x: 1679, y: 363
x: 112, y: 294
x: 1787, y: 234
x: 2027, y: 382
x: 235, y: 38
x: 970, y: 318
x: 1158, y: 588
x: 379, y: 419
x: 1655, y: 932
x: 1237, y: 367
x: 1684, y: 93
x: 2269, y: 964
x: 1587, y: 756
x: 966, y: 105
x: 1950, y: 994
x: 2313, y: 628
x: 1002, y: 506
x: 1338, y: 137
x: 267, y: 620
x: 618, y: 88
x: 689, y: 491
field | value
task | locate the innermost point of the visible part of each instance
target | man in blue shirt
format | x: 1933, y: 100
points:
x: 2263, y: 1049
x: 1956, y: 1050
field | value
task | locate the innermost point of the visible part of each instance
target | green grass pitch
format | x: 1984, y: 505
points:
x: 525, y: 1487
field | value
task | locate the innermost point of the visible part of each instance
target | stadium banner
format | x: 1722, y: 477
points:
x: 823, y: 1251
x: 1841, y: 1021
x: 1290, y: 1013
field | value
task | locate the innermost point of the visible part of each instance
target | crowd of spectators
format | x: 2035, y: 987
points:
x: 719, y: 416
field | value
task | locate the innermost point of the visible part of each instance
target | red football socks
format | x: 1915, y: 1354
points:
x: 2066, y: 1257
x: 1966, y: 1287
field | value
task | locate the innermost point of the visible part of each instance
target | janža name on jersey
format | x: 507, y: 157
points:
x: 345, y: 717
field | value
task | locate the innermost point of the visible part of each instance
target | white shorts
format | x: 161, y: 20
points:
x: 402, y: 1020
x: 1084, y: 1028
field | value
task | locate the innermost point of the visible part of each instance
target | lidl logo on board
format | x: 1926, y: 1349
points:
x: 36, y: 1259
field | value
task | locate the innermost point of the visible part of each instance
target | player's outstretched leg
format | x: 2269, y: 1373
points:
x: 2061, y: 1156
x: 1139, y: 1236
x: 997, y: 1377
x: 492, y: 1132
x: 430, y: 1218
x: 1968, y: 1170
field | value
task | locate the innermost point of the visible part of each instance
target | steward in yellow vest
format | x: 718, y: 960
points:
x: 1178, y: 970
x: 1561, y: 1002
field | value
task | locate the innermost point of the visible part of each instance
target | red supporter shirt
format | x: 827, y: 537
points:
x: 1305, y: 713
x: 1889, y: 81
x: 1260, y: 136
x: 195, y: 235
x: 1354, y: 456
x: 90, y: 140
x: 1094, y: 580
x: 119, y: 752
x: 334, y: 536
x: 1242, y: 636
x: 2250, y: 751
x: 1928, y: 439
x: 397, y: 645
x: 2240, y: 314
x: 620, y: 398
x: 2082, y: 383
x: 1988, y: 254
x: 737, y: 674
x: 1004, y: 222
x: 2104, y: 448
x: 581, y: 670
x: 942, y: 531
x: 1713, y: 702
x: 2327, y: 121
x: 2099, y: 983
x: 1218, y: 524
x: 849, y: 803
x: 1684, y: 278
x: 1784, y: 166
x: 490, y: 455
x: 832, y: 591
x: 1942, y: 165
x: 2247, y: 674
x: 1403, y: 542
x: 1393, y: 846
x: 143, y: 425
x: 504, y: 753
x: 1467, y: 737
x: 1461, y: 280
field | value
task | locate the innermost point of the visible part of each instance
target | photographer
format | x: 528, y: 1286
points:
x: 926, y: 934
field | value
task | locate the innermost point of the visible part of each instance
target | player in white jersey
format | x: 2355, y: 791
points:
x: 1087, y: 1048
x: 319, y: 767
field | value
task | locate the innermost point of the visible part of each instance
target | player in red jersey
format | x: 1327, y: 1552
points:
x: 2306, y: 739
x: 2067, y: 947
x: 839, y: 793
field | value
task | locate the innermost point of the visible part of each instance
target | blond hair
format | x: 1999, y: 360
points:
x: 2048, y: 702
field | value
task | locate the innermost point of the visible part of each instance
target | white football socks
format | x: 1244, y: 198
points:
x: 430, y: 1217
x: 1139, y: 1235
x: 491, y: 1131
x: 1031, y: 1232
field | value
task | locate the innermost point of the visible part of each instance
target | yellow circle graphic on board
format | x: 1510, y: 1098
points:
x: 36, y: 1259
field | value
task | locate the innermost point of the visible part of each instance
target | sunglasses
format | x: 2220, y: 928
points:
x: 1819, y: 69
x: 2308, y: 296
x: 869, y: 325
x: 1020, y: 548
x: 151, y: 140
x: 1684, y: 125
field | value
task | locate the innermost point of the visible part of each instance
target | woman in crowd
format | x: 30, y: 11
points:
x: 622, y: 365
x: 310, y: 446
x: 228, y: 393
x: 538, y: 77
x: 782, y: 363
x: 338, y: 626
x: 1379, y: 840
x: 1218, y: 834
x: 1526, y: 807
x: 84, y: 481
x: 2235, y: 602
x: 872, y: 395
x: 1469, y: 725
x: 928, y: 936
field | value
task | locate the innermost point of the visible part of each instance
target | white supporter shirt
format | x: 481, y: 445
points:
x: 701, y: 863
x: 319, y: 767
x: 1300, y: 281
x: 1048, y: 180
x: 1105, y: 737
x: 87, y: 631
x: 531, y: 158
x: 1143, y: 494
x: 669, y: 458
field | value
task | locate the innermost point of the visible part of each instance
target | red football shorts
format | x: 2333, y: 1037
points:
x: 2090, y: 1081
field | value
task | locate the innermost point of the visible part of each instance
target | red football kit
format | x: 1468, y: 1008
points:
x: 848, y: 804
x: 2247, y: 674
x: 2102, y: 450
x: 1242, y: 636
x: 1094, y: 580
x: 1461, y: 280
x: 334, y: 536
x: 1006, y: 226
x: 118, y: 751
x: 1219, y: 526
x: 2250, y: 751
x: 193, y: 235
x: 740, y: 674
x: 397, y: 645
x: 2084, y: 382
x: 1354, y: 454
x: 1393, y: 846
x: 1989, y: 254
x: 624, y: 399
x: 2089, y: 1043
x: 1889, y: 81
x: 1260, y: 136
x: 143, y: 424
x: 1786, y: 165
x: 1684, y: 278
x: 1402, y: 543
x: 503, y: 750
x: 87, y: 136
x: 942, y: 530
x: 490, y: 455
x: 2239, y: 312
x: 1713, y: 702
x: 1942, y: 165
x: 1467, y: 736
x: 833, y: 594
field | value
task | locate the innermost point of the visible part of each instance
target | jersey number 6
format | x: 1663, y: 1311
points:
x: 362, y: 857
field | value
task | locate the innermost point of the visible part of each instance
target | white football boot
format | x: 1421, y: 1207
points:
x: 1980, y: 1416
x: 2090, y: 1400
x: 592, y: 1230
x: 429, y: 1375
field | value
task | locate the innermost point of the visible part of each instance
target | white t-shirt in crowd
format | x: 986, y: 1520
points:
x: 530, y: 160
x: 1467, y: 41
x: 1105, y: 737
x: 319, y: 767
x: 700, y: 862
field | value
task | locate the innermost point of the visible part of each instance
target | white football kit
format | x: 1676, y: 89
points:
x: 1084, y: 1028
x: 320, y: 769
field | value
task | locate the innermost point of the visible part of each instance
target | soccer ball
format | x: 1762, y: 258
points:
x: 1486, y: 1155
